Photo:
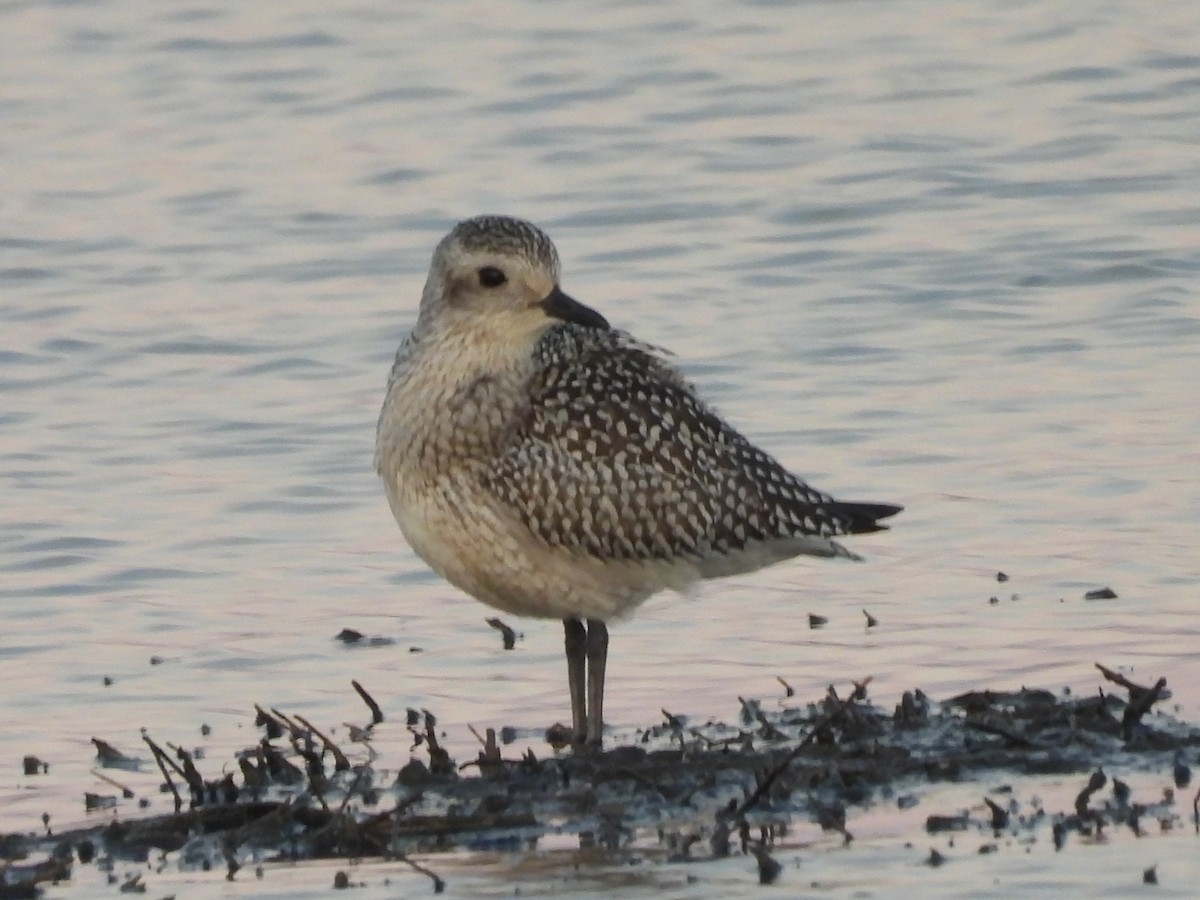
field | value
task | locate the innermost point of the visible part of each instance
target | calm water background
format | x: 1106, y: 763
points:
x: 942, y: 255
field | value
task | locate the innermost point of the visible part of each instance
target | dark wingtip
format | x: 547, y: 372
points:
x: 863, y: 518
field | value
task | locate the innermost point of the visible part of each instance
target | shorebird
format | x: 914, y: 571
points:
x: 551, y: 465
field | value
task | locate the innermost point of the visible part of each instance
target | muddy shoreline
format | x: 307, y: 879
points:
x: 706, y: 790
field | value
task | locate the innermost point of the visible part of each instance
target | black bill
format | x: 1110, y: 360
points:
x: 561, y: 306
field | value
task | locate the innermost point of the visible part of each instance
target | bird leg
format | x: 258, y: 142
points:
x: 577, y: 645
x: 597, y: 658
x: 587, y: 656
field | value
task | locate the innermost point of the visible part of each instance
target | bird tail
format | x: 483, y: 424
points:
x: 863, y: 518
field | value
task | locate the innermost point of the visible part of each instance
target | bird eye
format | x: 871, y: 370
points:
x: 490, y: 277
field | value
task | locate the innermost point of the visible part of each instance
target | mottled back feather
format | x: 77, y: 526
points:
x: 618, y: 459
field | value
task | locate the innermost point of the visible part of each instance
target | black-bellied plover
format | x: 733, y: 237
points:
x: 550, y: 465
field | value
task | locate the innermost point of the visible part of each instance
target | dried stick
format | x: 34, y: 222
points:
x: 1118, y: 678
x: 438, y: 885
x: 839, y: 708
x: 358, y: 777
x: 340, y: 762
x: 506, y: 633
x: 376, y: 712
x: 163, y: 761
x: 125, y: 792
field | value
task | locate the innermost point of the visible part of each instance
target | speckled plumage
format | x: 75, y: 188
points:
x: 620, y: 460
x: 551, y: 465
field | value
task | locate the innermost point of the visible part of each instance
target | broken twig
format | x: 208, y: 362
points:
x: 376, y: 712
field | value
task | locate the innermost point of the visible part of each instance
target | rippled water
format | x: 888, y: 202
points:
x: 942, y: 256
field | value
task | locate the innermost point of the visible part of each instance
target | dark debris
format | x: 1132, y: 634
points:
x: 295, y: 794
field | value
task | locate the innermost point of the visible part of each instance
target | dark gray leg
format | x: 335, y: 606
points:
x: 576, y: 645
x: 597, y: 658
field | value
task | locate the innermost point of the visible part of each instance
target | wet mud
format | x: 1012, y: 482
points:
x: 700, y: 790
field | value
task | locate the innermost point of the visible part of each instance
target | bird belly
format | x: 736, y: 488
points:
x: 498, y: 561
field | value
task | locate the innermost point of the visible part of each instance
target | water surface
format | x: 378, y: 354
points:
x: 942, y: 257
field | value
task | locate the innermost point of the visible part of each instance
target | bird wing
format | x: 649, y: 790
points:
x: 617, y: 458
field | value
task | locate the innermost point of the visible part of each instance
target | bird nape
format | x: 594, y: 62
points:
x: 551, y: 465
